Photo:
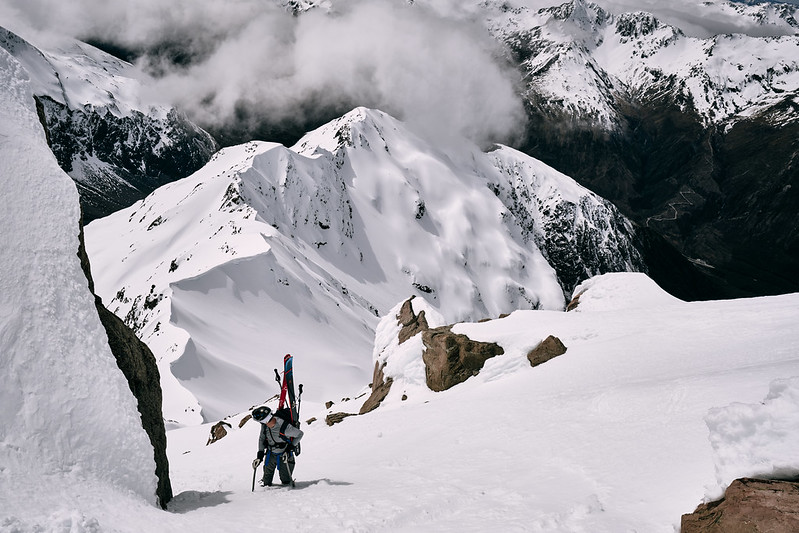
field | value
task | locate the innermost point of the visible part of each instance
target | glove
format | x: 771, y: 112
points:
x: 258, y: 460
x: 289, y: 449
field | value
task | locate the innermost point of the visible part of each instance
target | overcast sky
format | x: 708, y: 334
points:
x: 426, y: 63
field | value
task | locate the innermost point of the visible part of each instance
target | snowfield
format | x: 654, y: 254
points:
x: 656, y: 405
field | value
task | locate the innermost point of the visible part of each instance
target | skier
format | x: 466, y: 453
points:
x: 278, y: 438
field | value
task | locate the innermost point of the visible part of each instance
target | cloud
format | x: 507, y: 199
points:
x: 241, y: 60
x: 423, y: 68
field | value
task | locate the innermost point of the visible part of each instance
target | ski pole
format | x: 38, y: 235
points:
x: 299, y: 400
x: 288, y: 468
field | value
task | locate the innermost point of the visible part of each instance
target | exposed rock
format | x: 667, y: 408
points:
x: 311, y: 420
x: 575, y: 302
x: 217, y: 432
x: 450, y: 358
x: 749, y: 506
x: 335, y: 418
x: 328, y: 405
x: 118, y: 160
x: 245, y: 420
x: 137, y: 363
x: 411, y: 322
x: 380, y: 388
x: 547, y: 349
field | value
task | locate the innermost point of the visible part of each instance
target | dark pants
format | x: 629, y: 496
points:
x: 286, y: 467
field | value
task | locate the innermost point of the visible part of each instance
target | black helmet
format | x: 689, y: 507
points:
x: 262, y: 414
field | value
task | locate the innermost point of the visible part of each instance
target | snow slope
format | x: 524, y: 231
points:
x: 68, y: 419
x: 656, y: 405
x: 269, y: 250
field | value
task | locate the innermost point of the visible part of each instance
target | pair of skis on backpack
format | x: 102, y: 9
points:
x: 288, y: 408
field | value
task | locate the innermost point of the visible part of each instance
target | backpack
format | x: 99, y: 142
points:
x: 284, y: 413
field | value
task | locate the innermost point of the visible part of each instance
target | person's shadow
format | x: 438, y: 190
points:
x: 323, y: 481
x: 191, y: 500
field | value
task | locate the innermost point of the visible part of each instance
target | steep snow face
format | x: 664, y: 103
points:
x: 582, y: 60
x: 68, y: 418
x: 269, y: 250
x: 579, y: 233
x: 114, y: 144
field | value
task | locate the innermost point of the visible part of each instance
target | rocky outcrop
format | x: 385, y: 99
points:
x: 335, y: 418
x: 547, y: 349
x: 749, y: 506
x: 138, y: 365
x: 410, y: 321
x: 411, y: 324
x: 218, y: 431
x: 380, y: 388
x: 451, y: 358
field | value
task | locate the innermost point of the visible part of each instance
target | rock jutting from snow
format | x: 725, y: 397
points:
x: 137, y: 363
x: 410, y: 321
x: 451, y: 358
x: 547, y: 349
x: 749, y: 506
x: 381, y: 386
x: 218, y: 431
x: 335, y: 418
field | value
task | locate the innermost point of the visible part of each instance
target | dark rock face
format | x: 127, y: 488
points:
x: 118, y: 160
x: 137, y: 363
x: 450, y: 358
x: 726, y: 198
x: 547, y: 349
x: 748, y: 506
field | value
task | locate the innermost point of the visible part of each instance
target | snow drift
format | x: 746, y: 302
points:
x: 68, y: 419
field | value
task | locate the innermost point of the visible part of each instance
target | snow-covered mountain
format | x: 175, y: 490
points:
x: 691, y: 136
x: 585, y: 63
x: 212, y: 271
x: 115, y: 146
